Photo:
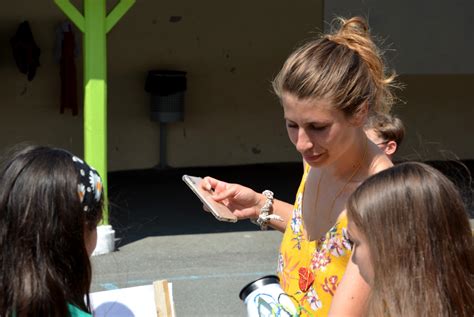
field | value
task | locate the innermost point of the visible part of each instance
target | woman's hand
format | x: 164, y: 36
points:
x: 242, y: 201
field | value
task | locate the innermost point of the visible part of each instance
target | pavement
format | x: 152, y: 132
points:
x: 207, y: 270
x: 163, y: 233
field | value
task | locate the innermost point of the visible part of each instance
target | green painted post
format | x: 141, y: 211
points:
x: 95, y: 24
x: 95, y: 90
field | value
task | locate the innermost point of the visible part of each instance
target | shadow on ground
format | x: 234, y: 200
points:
x: 156, y: 202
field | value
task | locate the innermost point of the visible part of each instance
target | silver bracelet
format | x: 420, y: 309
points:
x: 264, y: 217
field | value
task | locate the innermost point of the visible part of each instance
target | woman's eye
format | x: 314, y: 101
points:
x: 318, y: 128
x: 291, y: 125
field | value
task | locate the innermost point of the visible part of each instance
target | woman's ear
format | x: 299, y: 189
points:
x: 359, y: 118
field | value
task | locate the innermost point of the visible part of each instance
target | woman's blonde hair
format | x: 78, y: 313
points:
x: 344, y: 66
x: 420, y: 242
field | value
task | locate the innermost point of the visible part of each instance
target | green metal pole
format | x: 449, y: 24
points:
x: 95, y: 24
x: 95, y: 90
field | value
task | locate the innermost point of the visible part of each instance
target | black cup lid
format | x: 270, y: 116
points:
x: 250, y: 287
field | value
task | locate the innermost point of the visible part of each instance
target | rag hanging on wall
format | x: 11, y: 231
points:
x: 65, y: 52
x: 25, y: 51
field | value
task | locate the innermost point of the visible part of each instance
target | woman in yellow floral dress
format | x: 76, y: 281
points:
x: 328, y: 87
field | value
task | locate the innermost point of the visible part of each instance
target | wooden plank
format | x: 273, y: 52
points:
x: 163, y: 299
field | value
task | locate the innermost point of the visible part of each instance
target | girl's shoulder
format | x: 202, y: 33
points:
x: 76, y: 312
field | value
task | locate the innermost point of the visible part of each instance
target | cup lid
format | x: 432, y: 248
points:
x: 250, y: 287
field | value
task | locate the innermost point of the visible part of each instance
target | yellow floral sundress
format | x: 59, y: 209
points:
x: 310, y: 271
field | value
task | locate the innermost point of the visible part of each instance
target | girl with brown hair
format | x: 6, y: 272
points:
x: 413, y: 243
x: 50, y: 205
x: 327, y: 88
x: 386, y: 131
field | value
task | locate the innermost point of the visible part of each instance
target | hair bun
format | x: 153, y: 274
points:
x: 345, y: 66
x: 354, y: 33
x: 353, y: 26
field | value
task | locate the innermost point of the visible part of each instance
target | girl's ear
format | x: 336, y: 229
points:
x: 359, y: 118
x: 390, y: 148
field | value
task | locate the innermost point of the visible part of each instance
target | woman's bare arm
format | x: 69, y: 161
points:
x: 280, y: 208
x: 245, y: 203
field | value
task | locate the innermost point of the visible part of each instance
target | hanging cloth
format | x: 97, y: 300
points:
x: 65, y: 52
x: 25, y: 51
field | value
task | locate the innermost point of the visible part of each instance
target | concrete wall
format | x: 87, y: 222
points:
x: 434, y: 58
x: 231, y: 51
x: 29, y: 111
x: 419, y: 33
x: 438, y: 112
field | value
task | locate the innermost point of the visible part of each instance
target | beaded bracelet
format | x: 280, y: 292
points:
x: 264, y: 217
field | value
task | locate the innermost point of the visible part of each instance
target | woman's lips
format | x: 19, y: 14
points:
x: 312, y: 157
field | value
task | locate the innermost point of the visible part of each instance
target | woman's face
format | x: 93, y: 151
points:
x: 319, y: 131
x: 361, y: 252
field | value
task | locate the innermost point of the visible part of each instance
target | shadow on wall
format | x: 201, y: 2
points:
x: 157, y: 202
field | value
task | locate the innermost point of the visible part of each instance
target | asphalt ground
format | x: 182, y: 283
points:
x: 163, y: 233
x: 207, y: 270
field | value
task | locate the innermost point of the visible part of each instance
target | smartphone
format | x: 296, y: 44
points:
x: 221, y: 212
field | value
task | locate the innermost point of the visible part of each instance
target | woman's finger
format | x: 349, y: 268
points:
x: 227, y: 193
x: 209, y: 183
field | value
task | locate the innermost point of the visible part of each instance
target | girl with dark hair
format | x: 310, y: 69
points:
x: 50, y: 204
x: 413, y: 243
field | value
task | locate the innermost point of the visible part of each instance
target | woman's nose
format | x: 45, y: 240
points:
x: 303, y: 143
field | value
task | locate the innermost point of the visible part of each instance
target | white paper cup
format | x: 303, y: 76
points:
x: 105, y: 240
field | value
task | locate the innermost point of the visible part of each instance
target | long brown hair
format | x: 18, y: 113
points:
x: 44, y: 262
x: 344, y: 66
x: 420, y: 242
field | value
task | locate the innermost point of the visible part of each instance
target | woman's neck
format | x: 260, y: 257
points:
x: 353, y: 161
